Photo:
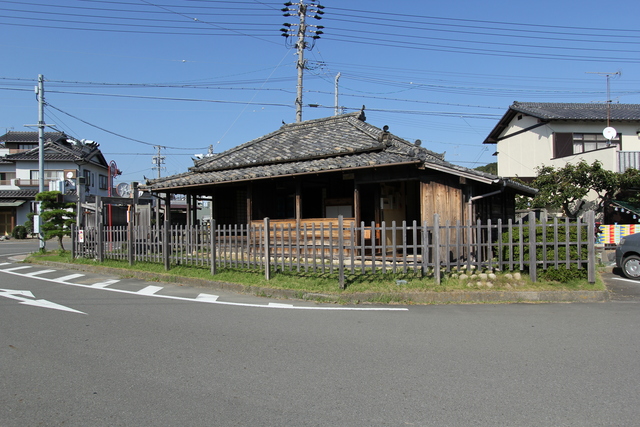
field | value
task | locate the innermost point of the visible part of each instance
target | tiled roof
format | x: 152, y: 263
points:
x: 549, y: 111
x: 336, y: 143
x: 31, y: 137
x: 18, y: 194
x: 567, y: 111
x: 58, y: 151
x: 313, y: 139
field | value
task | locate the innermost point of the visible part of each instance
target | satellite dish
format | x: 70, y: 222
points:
x: 123, y: 189
x: 609, y: 133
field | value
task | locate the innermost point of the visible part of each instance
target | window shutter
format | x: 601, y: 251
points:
x: 562, y: 144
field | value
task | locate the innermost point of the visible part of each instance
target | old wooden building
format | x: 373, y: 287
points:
x: 319, y: 169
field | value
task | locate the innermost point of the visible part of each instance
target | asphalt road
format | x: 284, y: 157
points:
x: 134, y: 355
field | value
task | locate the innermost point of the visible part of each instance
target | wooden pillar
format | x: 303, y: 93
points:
x: 249, y: 202
x: 194, y: 210
x: 298, y: 202
x: 356, y: 204
x: 188, y: 200
x: 167, y: 209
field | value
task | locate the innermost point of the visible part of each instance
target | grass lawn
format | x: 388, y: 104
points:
x: 328, y: 284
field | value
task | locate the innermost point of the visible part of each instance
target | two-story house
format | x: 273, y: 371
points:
x: 535, y: 134
x: 65, y: 159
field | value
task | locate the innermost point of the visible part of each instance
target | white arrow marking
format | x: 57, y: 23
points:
x: 20, y: 296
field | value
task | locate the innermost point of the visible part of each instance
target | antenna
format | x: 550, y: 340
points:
x: 608, y: 132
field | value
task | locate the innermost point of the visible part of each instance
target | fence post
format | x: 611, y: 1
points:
x: 131, y: 245
x: 436, y: 248
x: 341, y: 251
x: 267, y: 250
x: 166, y: 236
x: 425, y: 248
x: 591, y: 263
x: 100, y: 242
x: 533, y: 264
x: 74, y: 239
x: 212, y: 233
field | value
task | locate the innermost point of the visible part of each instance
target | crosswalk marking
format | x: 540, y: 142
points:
x: 152, y: 291
x: 35, y: 273
x: 207, y: 297
x: 149, y: 290
x: 104, y: 284
x: 22, y: 267
x: 67, y: 278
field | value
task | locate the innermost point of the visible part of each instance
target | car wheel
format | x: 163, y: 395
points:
x: 631, y: 267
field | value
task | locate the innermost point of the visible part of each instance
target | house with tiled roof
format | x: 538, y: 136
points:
x: 341, y: 165
x: 65, y: 159
x: 535, y: 134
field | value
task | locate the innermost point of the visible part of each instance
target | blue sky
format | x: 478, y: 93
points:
x: 187, y: 74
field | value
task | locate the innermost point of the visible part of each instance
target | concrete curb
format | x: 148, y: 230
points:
x: 430, y: 297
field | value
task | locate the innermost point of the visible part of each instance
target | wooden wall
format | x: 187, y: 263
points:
x: 442, y: 196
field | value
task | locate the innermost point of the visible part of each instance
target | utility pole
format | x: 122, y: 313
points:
x: 158, y: 160
x: 41, y: 125
x: 311, y: 10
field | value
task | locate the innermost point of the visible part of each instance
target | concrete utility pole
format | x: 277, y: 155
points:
x: 303, y: 11
x: 41, y: 125
x: 158, y: 160
x: 301, y: 64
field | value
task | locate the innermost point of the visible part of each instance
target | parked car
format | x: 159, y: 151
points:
x: 628, y: 256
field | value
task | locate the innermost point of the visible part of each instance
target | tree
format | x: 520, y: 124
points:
x: 491, y: 168
x: 566, y: 188
x: 56, y: 215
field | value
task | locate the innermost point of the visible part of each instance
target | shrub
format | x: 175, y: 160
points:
x: 19, y: 232
x: 562, y: 274
x: 548, y: 252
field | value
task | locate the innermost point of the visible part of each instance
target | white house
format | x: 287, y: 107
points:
x: 531, y: 135
x: 65, y: 159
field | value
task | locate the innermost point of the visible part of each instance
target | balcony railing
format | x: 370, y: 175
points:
x: 31, y: 182
x: 628, y: 160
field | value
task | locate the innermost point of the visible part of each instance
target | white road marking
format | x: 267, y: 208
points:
x: 637, y: 282
x: 149, y: 290
x: 205, y: 300
x: 20, y: 296
x: 65, y: 279
x: 5, y: 263
x: 22, y: 267
x: 277, y: 304
x: 35, y: 273
x: 105, y: 283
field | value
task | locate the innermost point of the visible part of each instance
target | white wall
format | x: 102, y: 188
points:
x: 520, y: 155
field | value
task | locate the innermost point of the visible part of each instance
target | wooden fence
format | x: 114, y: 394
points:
x: 344, y: 247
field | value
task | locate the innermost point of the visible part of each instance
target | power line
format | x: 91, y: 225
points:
x: 117, y: 134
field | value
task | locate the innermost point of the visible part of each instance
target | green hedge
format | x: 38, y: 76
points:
x: 548, y: 253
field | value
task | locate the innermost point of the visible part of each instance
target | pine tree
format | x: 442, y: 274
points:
x: 56, y: 215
